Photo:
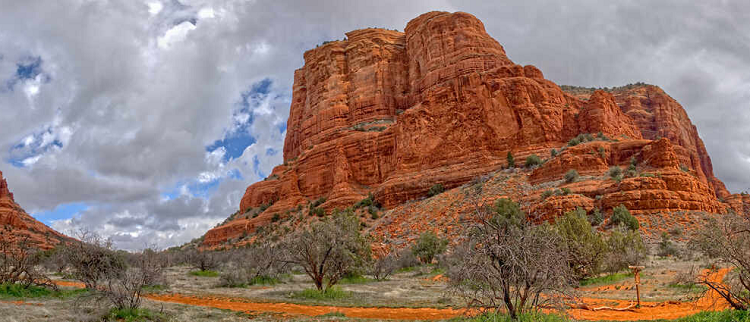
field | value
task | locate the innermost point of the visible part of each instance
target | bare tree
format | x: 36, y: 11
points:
x: 726, y: 241
x: 329, y: 249
x: 107, y: 275
x: 384, y: 267
x: 509, y: 264
x: 19, y: 263
x: 92, y: 259
x: 203, y: 260
x: 249, y: 265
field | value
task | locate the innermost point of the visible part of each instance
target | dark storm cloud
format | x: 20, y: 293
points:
x: 135, y: 92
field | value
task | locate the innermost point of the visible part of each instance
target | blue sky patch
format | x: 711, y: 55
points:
x: 63, y: 211
x: 24, y: 150
x: 238, y: 137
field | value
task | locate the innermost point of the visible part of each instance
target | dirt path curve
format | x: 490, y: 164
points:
x: 238, y: 304
x: 649, y: 310
x: 711, y: 301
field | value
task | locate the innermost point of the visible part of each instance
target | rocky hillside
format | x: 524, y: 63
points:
x: 17, y: 226
x: 391, y: 115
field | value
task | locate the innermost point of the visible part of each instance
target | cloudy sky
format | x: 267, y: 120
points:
x: 146, y: 120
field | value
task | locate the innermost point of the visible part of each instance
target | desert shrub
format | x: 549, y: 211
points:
x: 427, y: 246
x: 596, y: 217
x: 275, y: 218
x: 547, y: 193
x: 328, y: 249
x: 564, y: 192
x: 621, y: 215
x: 406, y: 259
x: 384, y: 267
x: 571, y: 176
x: 574, y: 142
x: 666, y: 247
x: 106, y: 273
x: 259, y: 264
x: 585, y: 246
x: 553, y: 153
x: 435, y: 190
x: 203, y: 260
x: 726, y: 241
x: 92, y: 259
x: 511, y: 160
x: 625, y: 248
x: 684, y: 168
x: 615, y: 172
x: 505, y: 254
x: 368, y: 202
x: 134, y: 314
x: 533, y: 160
x: 20, y: 263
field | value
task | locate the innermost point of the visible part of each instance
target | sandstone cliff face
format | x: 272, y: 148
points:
x: 16, y: 225
x: 393, y: 114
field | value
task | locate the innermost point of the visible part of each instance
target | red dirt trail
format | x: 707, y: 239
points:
x: 711, y: 301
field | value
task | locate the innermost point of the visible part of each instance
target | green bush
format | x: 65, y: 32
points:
x: 585, y: 246
x: 275, y: 218
x: 533, y: 160
x: 574, y: 142
x: 547, y: 193
x: 133, y: 315
x: 571, y: 176
x: 553, y: 153
x: 435, y: 190
x: 564, y: 192
x: 615, y: 172
x: 621, y: 215
x: 625, y: 248
x: 429, y: 245
x: 666, y: 247
x: 511, y: 160
x: 596, y: 217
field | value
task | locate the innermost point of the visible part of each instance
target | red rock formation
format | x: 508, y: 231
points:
x: 659, y: 116
x: 393, y: 113
x: 16, y: 225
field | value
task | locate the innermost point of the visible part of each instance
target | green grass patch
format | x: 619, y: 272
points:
x: 12, y: 290
x: 332, y: 293
x: 133, y: 315
x: 406, y: 269
x: 606, y: 279
x: 722, y: 316
x: 502, y: 317
x: 208, y: 273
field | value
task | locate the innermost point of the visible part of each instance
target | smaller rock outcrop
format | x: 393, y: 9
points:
x: 17, y: 226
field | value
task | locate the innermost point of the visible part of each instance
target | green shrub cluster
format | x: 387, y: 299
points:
x: 533, y: 160
x: 435, y: 190
x: 571, y: 176
x: 622, y: 216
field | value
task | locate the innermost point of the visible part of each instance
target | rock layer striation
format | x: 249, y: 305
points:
x: 392, y: 114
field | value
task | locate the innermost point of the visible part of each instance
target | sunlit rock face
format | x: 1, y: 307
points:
x: 392, y: 114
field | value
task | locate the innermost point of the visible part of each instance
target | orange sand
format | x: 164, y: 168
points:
x: 711, y: 301
x: 237, y: 304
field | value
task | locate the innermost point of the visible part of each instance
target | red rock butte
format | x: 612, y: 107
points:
x: 17, y: 226
x: 392, y: 114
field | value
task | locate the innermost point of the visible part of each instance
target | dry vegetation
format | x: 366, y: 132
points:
x: 505, y: 265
